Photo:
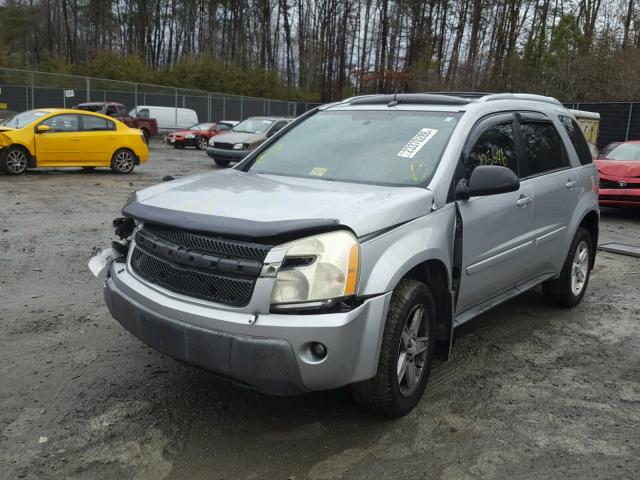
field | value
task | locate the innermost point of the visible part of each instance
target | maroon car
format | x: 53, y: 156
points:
x: 149, y: 126
x: 198, y: 135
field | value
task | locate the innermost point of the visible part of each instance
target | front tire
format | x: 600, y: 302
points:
x: 123, y: 161
x: 14, y: 160
x: 406, y: 353
x: 568, y: 289
x: 221, y: 163
x: 202, y: 144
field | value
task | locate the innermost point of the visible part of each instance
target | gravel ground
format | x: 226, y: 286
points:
x: 530, y: 391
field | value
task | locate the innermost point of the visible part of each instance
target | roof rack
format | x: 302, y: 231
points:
x: 407, y: 98
x: 520, y: 96
x: 468, y: 95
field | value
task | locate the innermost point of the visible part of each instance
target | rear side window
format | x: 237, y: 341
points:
x: 93, y: 124
x: 544, y: 148
x: 495, y: 146
x: 577, y: 139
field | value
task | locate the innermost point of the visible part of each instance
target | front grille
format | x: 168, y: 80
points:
x: 210, y: 244
x: 223, y: 146
x: 613, y: 184
x: 198, y: 265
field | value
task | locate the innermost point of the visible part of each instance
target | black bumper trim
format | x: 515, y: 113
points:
x: 265, y: 364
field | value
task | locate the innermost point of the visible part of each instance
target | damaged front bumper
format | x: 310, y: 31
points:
x: 269, y: 352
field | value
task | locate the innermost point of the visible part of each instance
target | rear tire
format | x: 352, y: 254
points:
x: 123, y: 161
x: 14, y: 160
x: 568, y: 289
x: 222, y: 163
x: 406, y: 353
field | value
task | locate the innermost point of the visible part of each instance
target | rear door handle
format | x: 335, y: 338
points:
x: 75, y: 139
x: 523, y: 200
x: 571, y: 183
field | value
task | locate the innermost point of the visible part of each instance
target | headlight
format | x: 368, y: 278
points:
x: 189, y: 135
x: 318, y: 268
x: 211, y: 140
x: 238, y: 146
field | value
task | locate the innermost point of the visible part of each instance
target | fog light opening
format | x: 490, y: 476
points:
x: 318, y: 350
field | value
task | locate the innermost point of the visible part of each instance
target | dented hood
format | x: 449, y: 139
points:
x: 619, y: 168
x: 247, y: 204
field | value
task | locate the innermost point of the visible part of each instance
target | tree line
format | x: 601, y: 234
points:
x: 575, y: 50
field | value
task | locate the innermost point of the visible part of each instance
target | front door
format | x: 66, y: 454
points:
x: 60, y: 145
x: 496, y: 238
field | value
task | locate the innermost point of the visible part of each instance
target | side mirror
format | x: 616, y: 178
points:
x: 487, y: 180
x: 42, y: 128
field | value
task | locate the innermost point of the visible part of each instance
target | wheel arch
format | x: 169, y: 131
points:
x: 590, y: 222
x: 31, y: 158
x: 435, y: 274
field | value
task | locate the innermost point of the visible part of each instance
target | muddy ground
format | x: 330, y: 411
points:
x: 531, y: 391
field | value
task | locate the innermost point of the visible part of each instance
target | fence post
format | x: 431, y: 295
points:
x: 135, y: 94
x: 241, y: 101
x: 208, y: 106
x: 88, y: 90
x: 64, y: 98
x: 26, y: 94
x: 626, y: 137
x: 175, y: 93
x: 224, y: 108
x: 33, y: 97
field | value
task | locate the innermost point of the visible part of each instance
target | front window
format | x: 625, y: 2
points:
x: 626, y: 151
x: 397, y: 148
x: 22, y: 119
x: 253, y: 125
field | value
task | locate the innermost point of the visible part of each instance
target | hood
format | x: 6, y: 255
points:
x: 240, y: 137
x: 269, y: 203
x: 619, y: 168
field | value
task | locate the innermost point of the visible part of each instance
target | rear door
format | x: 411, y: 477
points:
x: 97, y: 140
x: 496, y: 234
x: 61, y: 144
x: 546, y: 169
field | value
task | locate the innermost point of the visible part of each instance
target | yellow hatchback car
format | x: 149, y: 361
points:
x: 56, y: 137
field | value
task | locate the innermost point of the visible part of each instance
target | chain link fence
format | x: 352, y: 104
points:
x: 25, y: 90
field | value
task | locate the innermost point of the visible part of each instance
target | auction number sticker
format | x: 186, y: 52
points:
x: 412, y: 148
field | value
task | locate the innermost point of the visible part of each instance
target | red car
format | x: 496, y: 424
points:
x: 149, y: 126
x: 620, y: 175
x: 198, y: 135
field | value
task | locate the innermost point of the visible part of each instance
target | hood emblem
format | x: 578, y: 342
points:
x: 622, y: 183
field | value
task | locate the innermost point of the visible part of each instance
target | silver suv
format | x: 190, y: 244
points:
x: 347, y: 248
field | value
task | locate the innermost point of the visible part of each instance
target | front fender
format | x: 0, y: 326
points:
x: 387, y: 258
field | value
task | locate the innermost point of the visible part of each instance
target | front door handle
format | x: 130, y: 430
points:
x: 75, y: 139
x: 571, y: 183
x: 523, y: 200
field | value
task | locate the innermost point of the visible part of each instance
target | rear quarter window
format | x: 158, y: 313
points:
x: 577, y: 139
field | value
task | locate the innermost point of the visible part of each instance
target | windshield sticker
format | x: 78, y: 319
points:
x: 318, y: 172
x: 411, y: 149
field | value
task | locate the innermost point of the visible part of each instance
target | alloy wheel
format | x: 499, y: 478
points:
x: 412, y: 352
x: 16, y: 161
x: 124, y: 161
x: 580, y: 268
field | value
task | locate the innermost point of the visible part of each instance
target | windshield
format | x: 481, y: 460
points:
x: 91, y: 107
x: 626, y: 151
x: 200, y: 126
x: 22, y: 119
x: 400, y: 148
x: 253, y: 125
